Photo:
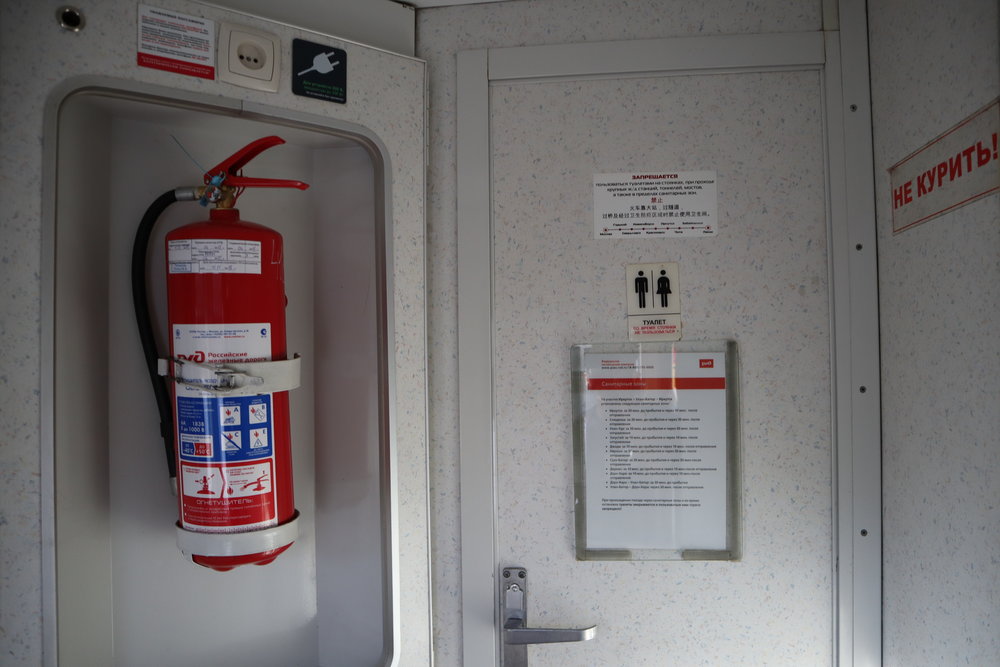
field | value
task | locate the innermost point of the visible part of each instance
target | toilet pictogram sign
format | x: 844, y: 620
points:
x: 653, y: 302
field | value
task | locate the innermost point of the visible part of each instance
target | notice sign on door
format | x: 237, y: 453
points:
x: 956, y: 168
x: 655, y: 441
x: 655, y: 204
x: 176, y: 42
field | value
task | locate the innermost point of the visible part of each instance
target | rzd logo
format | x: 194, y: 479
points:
x: 198, y: 357
x: 706, y: 363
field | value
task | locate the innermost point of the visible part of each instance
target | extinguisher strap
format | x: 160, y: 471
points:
x: 235, y: 379
x: 193, y: 543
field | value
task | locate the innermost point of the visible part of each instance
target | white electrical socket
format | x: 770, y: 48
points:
x: 248, y: 57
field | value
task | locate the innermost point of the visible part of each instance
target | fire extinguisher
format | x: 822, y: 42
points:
x: 222, y: 391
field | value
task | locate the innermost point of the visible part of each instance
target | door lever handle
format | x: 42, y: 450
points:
x: 514, y: 613
x: 514, y: 632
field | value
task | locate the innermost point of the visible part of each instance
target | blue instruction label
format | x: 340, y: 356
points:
x: 236, y: 428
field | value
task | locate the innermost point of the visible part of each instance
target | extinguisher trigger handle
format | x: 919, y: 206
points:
x: 248, y: 182
x: 227, y: 172
x: 232, y: 164
x: 236, y: 379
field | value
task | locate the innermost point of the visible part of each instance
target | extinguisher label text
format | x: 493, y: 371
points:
x: 236, y: 428
x: 227, y: 461
x: 225, y: 443
x: 213, y: 256
x: 220, y: 497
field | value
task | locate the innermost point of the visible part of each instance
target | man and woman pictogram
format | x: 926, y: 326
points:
x: 662, y: 288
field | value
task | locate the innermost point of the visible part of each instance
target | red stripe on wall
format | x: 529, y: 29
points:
x: 178, y: 66
x: 650, y: 384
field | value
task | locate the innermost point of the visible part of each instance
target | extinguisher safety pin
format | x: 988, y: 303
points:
x: 212, y: 192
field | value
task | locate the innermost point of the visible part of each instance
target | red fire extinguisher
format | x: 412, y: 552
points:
x: 224, y: 408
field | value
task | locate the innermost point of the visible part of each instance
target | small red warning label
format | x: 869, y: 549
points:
x: 176, y: 42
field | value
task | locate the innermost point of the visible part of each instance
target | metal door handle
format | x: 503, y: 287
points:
x: 514, y: 612
x: 517, y: 634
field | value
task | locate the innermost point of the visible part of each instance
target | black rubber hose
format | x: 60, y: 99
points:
x: 143, y: 320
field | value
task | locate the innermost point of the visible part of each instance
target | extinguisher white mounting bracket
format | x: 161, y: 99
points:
x: 238, y: 544
x: 235, y: 379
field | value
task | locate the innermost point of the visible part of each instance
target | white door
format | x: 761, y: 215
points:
x: 535, y: 125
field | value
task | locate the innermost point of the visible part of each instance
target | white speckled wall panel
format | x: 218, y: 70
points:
x: 386, y: 95
x: 933, y: 64
x: 441, y: 34
x: 762, y: 282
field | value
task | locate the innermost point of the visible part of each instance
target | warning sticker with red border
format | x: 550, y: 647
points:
x: 955, y: 169
x: 176, y: 42
x: 228, y: 497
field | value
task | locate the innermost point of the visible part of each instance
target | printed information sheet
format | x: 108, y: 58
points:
x: 655, y: 450
x: 176, y: 42
x: 655, y: 204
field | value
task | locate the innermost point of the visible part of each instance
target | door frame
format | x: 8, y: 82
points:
x: 841, y: 58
